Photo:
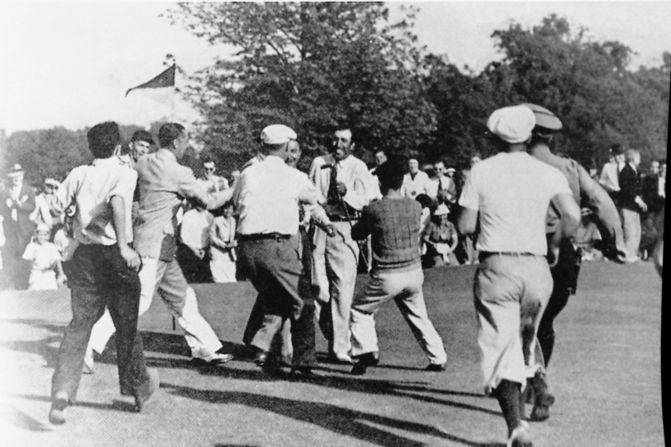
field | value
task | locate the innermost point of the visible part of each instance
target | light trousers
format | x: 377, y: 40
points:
x: 166, y: 280
x: 511, y: 293
x: 631, y: 230
x: 335, y: 260
x: 405, y: 288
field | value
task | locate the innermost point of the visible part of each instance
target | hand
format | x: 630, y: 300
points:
x: 330, y: 230
x: 341, y: 188
x: 131, y: 258
x: 553, y: 255
x: 60, y: 280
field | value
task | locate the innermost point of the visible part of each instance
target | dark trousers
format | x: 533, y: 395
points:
x: 99, y: 277
x: 565, y: 278
x: 275, y: 267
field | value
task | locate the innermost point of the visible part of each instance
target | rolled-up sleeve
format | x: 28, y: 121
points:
x: 469, y: 195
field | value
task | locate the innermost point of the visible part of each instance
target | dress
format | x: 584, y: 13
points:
x: 222, y: 261
x: 44, y: 258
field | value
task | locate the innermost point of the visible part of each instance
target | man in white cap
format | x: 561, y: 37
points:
x: 344, y: 184
x: 46, y: 207
x: 565, y: 272
x: 17, y: 202
x: 163, y: 184
x: 267, y: 197
x: 509, y: 194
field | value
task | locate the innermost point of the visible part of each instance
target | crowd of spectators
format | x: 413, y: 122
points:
x: 32, y: 233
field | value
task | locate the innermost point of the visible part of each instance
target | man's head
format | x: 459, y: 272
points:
x: 450, y: 172
x: 413, y: 166
x: 390, y: 173
x: 294, y: 153
x: 547, y: 124
x: 439, y: 168
x: 173, y: 136
x: 512, y: 126
x: 103, y: 139
x: 616, y: 152
x: 140, y: 144
x: 275, y: 140
x: 209, y: 168
x: 380, y: 157
x: 15, y: 175
x: 342, y: 145
x: 51, y: 185
x: 654, y: 167
x: 633, y: 157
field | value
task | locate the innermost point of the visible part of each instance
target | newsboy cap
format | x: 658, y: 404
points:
x: 277, y: 134
x: 16, y: 169
x: 545, y: 118
x: 512, y: 124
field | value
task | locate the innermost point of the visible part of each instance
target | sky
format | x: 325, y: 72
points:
x: 69, y: 64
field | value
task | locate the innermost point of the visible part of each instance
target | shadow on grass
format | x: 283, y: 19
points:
x: 116, y: 405
x: 46, y: 347
x: 343, y: 421
x: 369, y: 386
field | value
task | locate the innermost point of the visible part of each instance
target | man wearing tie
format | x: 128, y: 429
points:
x: 342, y: 181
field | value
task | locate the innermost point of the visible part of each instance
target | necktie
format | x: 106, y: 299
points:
x: 333, y: 183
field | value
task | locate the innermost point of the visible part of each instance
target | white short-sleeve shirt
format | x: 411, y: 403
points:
x: 512, y: 192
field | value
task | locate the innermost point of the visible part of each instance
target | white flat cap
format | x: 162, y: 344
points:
x: 441, y: 210
x: 277, y: 134
x: 545, y: 118
x: 512, y: 124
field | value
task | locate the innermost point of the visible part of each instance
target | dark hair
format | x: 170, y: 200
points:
x: 103, y: 138
x: 391, y: 172
x: 424, y: 200
x: 168, y: 133
x: 142, y: 135
x: 617, y: 149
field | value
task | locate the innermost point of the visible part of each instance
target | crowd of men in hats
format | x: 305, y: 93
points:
x: 122, y: 224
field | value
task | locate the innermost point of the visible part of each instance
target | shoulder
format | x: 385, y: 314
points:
x: 318, y: 161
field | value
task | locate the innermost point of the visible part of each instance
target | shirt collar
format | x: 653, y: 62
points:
x: 107, y: 161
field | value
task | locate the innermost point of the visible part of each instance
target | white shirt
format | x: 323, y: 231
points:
x: 267, y: 196
x: 215, y: 183
x: 447, y: 184
x: 92, y: 188
x: 609, y: 177
x: 352, y: 172
x: 512, y: 192
x: 412, y: 187
x: 195, y: 229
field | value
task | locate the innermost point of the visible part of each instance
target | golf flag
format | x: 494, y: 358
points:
x: 165, y: 79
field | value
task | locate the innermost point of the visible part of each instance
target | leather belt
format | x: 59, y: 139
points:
x: 486, y: 254
x: 263, y: 236
x: 341, y: 219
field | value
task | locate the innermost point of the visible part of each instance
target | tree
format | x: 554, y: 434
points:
x: 312, y: 66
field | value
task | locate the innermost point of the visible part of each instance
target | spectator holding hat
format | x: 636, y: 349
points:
x: 46, y: 272
x: 17, y: 203
x: 610, y: 172
x: 509, y: 195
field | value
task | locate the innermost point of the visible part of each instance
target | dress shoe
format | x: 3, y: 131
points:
x: 363, y: 361
x: 261, y: 357
x: 146, y: 390
x: 302, y: 373
x: 543, y: 399
x: 212, y: 359
x: 436, y: 367
x: 520, y: 436
x: 58, y: 406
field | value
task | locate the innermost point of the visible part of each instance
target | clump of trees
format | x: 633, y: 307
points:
x: 315, y: 66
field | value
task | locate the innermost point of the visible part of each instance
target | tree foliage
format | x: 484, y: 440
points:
x: 313, y: 66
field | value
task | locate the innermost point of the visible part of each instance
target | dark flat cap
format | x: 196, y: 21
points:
x: 545, y: 118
